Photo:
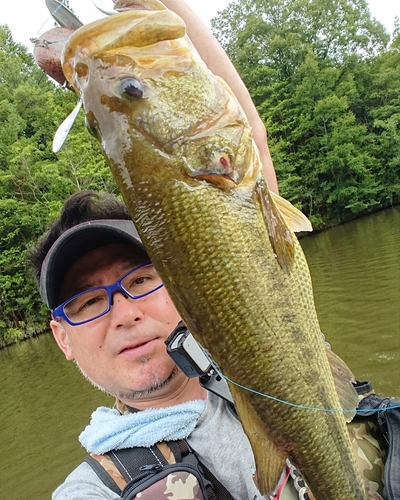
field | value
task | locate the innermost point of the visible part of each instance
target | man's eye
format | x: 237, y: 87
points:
x: 89, y: 302
x: 139, y: 280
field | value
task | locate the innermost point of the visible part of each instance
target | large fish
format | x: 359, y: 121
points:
x: 181, y: 151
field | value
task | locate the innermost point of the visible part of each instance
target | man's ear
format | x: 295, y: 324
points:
x: 62, y: 339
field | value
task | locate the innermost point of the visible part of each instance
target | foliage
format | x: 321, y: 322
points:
x: 33, y: 180
x: 324, y: 77
x: 325, y: 81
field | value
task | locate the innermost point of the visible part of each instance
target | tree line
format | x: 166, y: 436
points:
x: 33, y: 180
x: 324, y: 79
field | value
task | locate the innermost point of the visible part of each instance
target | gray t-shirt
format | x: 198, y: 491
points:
x: 220, y: 444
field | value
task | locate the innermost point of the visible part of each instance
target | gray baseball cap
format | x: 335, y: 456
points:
x: 76, y: 242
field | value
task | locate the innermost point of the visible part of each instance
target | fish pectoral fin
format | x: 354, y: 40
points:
x: 343, y: 379
x: 280, y: 235
x: 269, y: 459
x: 296, y: 220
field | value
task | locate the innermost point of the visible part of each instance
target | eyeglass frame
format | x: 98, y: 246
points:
x: 58, y: 312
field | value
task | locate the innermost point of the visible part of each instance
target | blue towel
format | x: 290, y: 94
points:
x: 109, y: 430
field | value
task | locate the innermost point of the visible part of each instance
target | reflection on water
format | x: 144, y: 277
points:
x: 46, y: 403
x: 356, y: 275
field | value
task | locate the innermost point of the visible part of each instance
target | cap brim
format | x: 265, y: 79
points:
x: 76, y: 242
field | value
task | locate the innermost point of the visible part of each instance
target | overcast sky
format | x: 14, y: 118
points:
x: 29, y: 18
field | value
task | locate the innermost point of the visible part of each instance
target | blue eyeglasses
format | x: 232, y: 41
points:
x: 96, y: 302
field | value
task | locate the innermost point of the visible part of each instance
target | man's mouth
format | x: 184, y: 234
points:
x: 137, y: 349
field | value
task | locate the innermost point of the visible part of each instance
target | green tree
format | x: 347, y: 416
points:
x: 34, y: 181
x: 378, y: 107
x: 278, y: 28
x: 312, y: 70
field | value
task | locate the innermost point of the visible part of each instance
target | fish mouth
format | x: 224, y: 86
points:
x: 221, y: 181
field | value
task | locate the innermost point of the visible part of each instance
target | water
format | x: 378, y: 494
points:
x: 356, y: 275
x: 46, y: 403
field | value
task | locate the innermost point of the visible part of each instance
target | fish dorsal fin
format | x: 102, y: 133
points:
x: 343, y: 379
x: 269, y: 459
x: 280, y: 236
x: 296, y: 220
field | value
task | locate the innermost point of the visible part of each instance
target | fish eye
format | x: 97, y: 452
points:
x: 131, y: 87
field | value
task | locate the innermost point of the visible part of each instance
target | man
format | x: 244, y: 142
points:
x: 112, y: 315
x: 122, y: 351
x: 120, y: 346
x: 118, y: 341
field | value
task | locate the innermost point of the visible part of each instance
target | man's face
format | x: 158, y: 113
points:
x: 123, y: 352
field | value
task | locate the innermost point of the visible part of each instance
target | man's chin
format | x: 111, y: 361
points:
x: 156, y: 385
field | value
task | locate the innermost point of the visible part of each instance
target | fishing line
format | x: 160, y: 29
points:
x: 51, y: 15
x: 302, y: 407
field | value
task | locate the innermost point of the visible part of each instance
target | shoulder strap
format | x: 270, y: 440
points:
x: 120, y: 467
x: 219, y: 490
x: 215, y: 489
x: 134, y: 463
x: 392, y: 467
x: 102, y: 466
x: 117, y: 468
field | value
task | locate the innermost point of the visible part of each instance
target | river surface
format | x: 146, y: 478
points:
x: 46, y: 403
x: 355, y: 269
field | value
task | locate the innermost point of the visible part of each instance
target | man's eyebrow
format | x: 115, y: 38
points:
x: 125, y: 268
x: 137, y: 263
x: 83, y: 288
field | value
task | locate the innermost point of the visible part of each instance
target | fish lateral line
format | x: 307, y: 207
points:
x: 303, y: 407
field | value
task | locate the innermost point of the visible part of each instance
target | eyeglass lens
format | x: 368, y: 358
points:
x: 96, y: 301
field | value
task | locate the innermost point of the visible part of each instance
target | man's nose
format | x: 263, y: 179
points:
x: 124, y: 310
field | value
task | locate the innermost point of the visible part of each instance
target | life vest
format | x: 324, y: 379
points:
x: 174, y: 468
x: 160, y: 471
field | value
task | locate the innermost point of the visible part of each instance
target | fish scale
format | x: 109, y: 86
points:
x: 235, y: 304
x: 183, y: 158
